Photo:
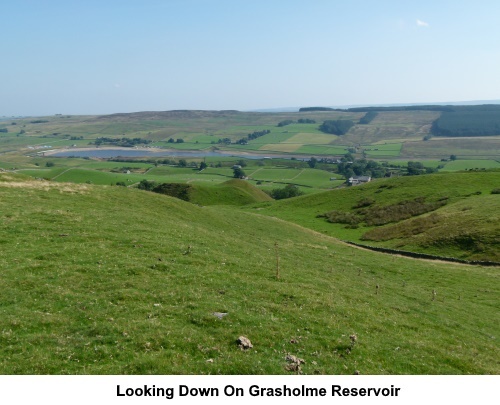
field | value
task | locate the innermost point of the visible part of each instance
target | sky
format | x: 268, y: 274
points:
x: 100, y: 57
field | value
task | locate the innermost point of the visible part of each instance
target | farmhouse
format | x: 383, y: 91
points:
x: 356, y: 180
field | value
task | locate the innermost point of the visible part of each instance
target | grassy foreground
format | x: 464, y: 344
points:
x: 109, y: 280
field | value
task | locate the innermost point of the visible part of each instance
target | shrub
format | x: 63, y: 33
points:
x: 365, y: 202
x: 177, y: 190
x: 290, y: 190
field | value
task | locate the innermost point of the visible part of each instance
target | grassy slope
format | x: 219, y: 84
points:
x: 465, y: 214
x: 99, y: 279
x: 231, y: 192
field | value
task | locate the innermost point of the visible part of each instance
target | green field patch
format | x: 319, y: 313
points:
x: 44, y: 173
x: 323, y: 150
x: 471, y: 165
x: 388, y: 149
x: 311, y: 138
x: 109, y: 165
x: 280, y: 147
x: 307, y: 128
x: 96, y: 177
x: 276, y: 174
x: 170, y: 170
x: 205, y: 139
x: 254, y: 145
x: 318, y: 178
x: 220, y: 171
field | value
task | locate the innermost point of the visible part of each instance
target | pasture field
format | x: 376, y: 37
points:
x: 381, y: 150
x: 323, y: 150
x: 80, y: 297
x: 280, y: 147
x: 303, y: 138
x: 268, y: 172
x: 465, y: 148
x: 471, y: 165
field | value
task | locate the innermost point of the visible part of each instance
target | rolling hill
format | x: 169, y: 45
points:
x: 446, y: 214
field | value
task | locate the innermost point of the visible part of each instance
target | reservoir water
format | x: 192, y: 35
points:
x: 124, y: 153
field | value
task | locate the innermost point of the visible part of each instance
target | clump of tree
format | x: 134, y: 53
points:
x: 417, y: 168
x: 147, y: 185
x: 306, y: 109
x: 312, y: 162
x: 123, y: 142
x: 349, y: 167
x: 177, y: 190
x: 38, y: 121
x: 238, y: 173
x: 225, y: 141
x: 306, y: 121
x: 253, y: 135
x: 284, y: 123
x: 4, y: 130
x: 368, y: 117
x: 336, y: 127
x: 289, y: 191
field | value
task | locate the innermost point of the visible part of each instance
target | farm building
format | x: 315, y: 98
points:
x: 356, y: 180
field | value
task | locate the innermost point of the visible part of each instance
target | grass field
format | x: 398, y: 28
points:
x: 469, y: 148
x: 81, y: 297
x: 381, y: 150
x: 471, y: 164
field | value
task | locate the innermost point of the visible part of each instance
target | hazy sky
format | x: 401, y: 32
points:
x: 105, y: 56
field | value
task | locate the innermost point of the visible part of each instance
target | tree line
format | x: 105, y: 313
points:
x: 124, y: 142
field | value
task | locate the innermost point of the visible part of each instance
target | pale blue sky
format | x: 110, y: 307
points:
x: 96, y: 57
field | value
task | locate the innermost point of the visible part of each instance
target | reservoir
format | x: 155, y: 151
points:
x: 126, y: 152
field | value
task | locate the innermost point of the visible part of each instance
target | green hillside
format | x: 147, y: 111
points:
x: 231, y: 192
x: 446, y: 214
x: 115, y: 280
